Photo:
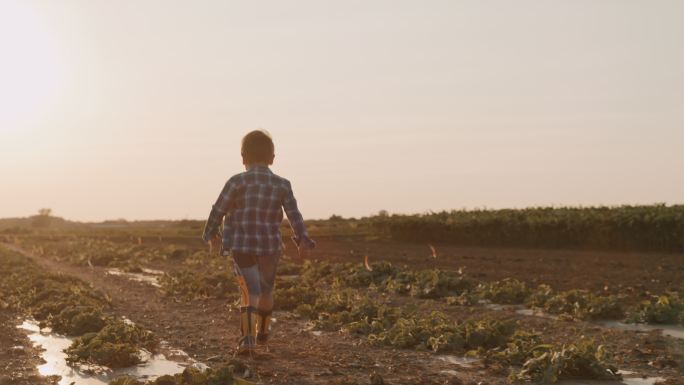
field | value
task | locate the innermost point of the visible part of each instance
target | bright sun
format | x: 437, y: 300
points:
x: 30, y: 66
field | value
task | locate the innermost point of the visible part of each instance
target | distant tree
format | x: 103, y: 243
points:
x: 383, y: 213
x: 43, y: 219
x: 336, y: 217
x: 119, y: 221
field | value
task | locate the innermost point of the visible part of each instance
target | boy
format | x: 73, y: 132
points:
x: 252, y: 203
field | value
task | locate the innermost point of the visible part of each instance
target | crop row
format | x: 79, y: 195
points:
x: 458, y: 288
x: 654, y: 227
x: 334, y: 304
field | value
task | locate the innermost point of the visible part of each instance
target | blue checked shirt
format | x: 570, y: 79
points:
x: 252, y: 204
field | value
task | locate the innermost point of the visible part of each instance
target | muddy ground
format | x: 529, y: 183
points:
x: 18, y: 358
x: 207, y: 329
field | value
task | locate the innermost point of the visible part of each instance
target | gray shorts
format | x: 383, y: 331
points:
x: 259, y: 272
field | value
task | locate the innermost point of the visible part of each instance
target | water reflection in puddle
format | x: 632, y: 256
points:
x: 625, y: 381
x: 674, y: 331
x: 55, y: 360
x: 667, y: 330
x: 152, y: 271
x: 462, y: 361
x: 535, y: 313
x: 148, y: 276
x: 642, y: 381
x: 290, y: 277
x: 450, y: 372
x: 500, y: 307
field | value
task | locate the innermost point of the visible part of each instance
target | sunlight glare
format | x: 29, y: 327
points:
x: 30, y: 70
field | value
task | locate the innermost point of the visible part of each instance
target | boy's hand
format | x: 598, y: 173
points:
x: 215, y: 244
x: 303, y: 248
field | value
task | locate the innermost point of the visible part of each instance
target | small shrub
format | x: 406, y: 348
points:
x: 506, y: 291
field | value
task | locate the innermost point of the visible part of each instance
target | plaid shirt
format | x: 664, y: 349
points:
x: 252, y: 203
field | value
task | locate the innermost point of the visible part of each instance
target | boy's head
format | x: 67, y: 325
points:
x: 257, y: 148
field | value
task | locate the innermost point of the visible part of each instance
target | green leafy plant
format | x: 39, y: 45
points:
x: 664, y: 309
x: 506, y: 291
x: 583, y: 360
x: 579, y: 304
x: 193, y: 285
x: 230, y: 374
x: 649, y: 227
x: 117, y: 345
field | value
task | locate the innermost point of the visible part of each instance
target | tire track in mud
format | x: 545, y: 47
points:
x: 207, y: 330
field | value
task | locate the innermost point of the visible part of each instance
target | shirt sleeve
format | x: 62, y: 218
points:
x: 219, y: 210
x: 295, y: 217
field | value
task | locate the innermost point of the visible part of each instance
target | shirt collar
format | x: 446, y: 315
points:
x: 258, y: 167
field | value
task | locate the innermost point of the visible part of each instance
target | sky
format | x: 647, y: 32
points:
x: 135, y: 108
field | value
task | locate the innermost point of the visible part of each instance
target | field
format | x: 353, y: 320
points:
x: 370, y: 307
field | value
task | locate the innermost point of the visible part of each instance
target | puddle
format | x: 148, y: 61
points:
x: 462, y: 361
x: 535, y: 313
x: 166, y: 361
x: 450, y: 372
x: 625, y: 381
x: 500, y: 307
x: 625, y: 372
x: 148, y: 276
x: 290, y: 277
x: 518, y: 309
x: 152, y: 271
x: 642, y: 381
x: 675, y: 331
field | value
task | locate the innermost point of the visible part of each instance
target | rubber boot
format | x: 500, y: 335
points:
x: 263, y: 327
x: 247, y: 330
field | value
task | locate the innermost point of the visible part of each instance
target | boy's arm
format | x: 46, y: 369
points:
x: 218, y: 211
x: 295, y: 218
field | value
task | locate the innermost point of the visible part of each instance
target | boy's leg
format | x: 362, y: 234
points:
x: 248, y: 277
x: 267, y: 270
